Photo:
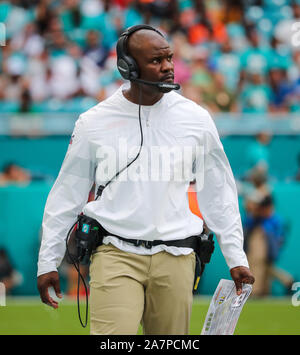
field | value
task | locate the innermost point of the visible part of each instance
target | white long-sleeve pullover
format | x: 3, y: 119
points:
x: 149, y: 200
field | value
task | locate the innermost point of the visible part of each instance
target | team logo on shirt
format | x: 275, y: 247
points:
x: 85, y: 228
x: 71, y: 140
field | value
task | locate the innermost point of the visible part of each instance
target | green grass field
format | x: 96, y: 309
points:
x: 30, y: 316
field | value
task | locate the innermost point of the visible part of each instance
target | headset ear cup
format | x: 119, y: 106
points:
x: 123, y: 68
x: 134, y: 69
x: 128, y: 68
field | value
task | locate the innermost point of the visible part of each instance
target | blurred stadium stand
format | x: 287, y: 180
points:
x: 236, y: 58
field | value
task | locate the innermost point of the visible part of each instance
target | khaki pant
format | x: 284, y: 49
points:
x: 127, y: 289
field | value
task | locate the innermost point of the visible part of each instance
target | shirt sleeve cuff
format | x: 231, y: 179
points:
x: 45, y: 268
x: 240, y: 260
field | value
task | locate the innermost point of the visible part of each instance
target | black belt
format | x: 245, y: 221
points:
x: 190, y: 242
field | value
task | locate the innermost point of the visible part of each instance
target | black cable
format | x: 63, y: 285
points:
x: 102, y: 187
x: 86, y: 299
x: 76, y: 264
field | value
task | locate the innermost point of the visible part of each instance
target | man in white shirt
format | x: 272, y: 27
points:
x: 150, y: 281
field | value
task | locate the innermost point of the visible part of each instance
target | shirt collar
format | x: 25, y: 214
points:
x: 132, y: 107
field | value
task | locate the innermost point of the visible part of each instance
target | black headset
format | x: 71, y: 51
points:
x: 127, y: 66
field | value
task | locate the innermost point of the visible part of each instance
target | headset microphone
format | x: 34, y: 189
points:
x: 162, y: 86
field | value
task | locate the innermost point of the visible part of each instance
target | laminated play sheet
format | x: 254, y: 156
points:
x: 225, y: 308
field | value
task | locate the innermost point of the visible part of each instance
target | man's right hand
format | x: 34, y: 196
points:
x: 50, y: 279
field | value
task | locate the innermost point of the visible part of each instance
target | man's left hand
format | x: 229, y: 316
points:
x: 240, y: 275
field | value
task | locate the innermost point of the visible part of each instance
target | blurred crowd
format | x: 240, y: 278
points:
x: 230, y: 55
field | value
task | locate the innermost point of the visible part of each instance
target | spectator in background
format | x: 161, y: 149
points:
x: 43, y: 14
x: 94, y: 49
x: 207, y: 26
x: 70, y: 15
x: 26, y: 104
x: 220, y: 99
x: 264, y: 237
x: 29, y: 41
x: 258, y: 156
x: 280, y: 89
x: 227, y: 63
x: 132, y: 13
x: 294, y: 77
x: 255, y: 95
x: 294, y: 96
x: 14, y: 68
x: 294, y: 68
x: 234, y: 11
x: 13, y: 87
x: 181, y: 58
x: 255, y: 189
x: 16, y: 19
x: 256, y: 58
x: 64, y: 67
x: 199, y: 33
x: 109, y: 23
x: 202, y: 76
x: 8, y: 275
x: 56, y: 39
x: 280, y: 54
x: 187, y: 17
x: 13, y: 173
x: 38, y: 75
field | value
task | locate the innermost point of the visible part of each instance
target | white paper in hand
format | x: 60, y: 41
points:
x: 225, y: 308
